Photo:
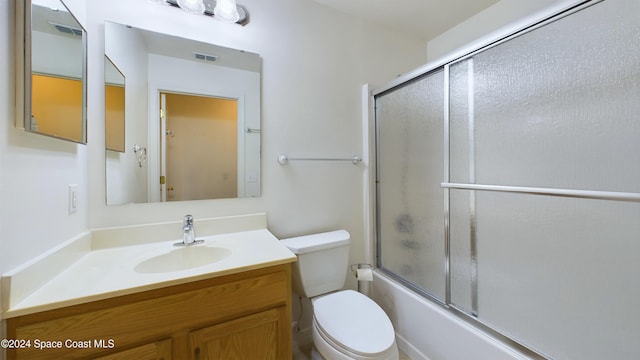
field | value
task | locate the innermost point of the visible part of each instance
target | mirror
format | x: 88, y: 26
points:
x: 192, y: 119
x: 51, y: 71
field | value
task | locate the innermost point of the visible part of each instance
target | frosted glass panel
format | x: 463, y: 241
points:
x: 558, y: 274
x: 410, y: 165
x: 462, y: 291
x: 556, y: 107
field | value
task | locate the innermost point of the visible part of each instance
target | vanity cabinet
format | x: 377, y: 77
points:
x: 241, y: 316
x: 153, y: 351
x: 229, y: 339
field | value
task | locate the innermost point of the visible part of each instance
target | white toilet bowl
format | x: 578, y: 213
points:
x: 349, y: 326
x: 346, y: 324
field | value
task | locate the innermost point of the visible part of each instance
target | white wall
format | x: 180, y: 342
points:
x: 491, y: 21
x: 35, y: 172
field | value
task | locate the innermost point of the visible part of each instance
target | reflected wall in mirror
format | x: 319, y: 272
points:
x: 195, y: 109
x: 51, y: 71
x: 114, y: 106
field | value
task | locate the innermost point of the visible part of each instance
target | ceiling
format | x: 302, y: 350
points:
x: 425, y: 19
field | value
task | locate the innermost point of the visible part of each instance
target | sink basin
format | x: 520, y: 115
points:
x: 183, y: 258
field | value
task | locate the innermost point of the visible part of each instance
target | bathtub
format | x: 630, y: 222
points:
x: 427, y: 331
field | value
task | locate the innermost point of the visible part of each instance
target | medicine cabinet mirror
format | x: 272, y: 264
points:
x: 192, y: 119
x: 51, y: 71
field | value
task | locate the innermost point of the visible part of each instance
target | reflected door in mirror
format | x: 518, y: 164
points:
x: 201, y: 142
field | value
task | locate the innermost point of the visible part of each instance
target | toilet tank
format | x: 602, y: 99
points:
x: 323, y: 260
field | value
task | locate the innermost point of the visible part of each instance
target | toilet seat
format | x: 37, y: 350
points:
x: 354, y: 325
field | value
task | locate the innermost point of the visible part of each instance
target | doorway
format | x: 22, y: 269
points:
x: 199, y: 147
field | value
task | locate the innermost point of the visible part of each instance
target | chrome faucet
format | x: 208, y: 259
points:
x: 188, y: 232
x: 189, y: 235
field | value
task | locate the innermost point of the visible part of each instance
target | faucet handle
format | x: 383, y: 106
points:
x: 189, y: 233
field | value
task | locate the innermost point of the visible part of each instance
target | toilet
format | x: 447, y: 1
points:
x: 347, y: 325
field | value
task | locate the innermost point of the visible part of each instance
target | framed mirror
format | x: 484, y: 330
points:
x: 192, y: 119
x: 51, y: 71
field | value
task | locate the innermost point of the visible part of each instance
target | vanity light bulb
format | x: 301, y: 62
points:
x: 192, y: 6
x: 227, y: 10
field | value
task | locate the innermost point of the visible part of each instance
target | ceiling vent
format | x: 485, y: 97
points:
x: 66, y: 29
x: 205, y: 57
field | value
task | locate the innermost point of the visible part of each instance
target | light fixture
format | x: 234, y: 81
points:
x: 192, y: 6
x: 223, y: 10
x: 227, y: 10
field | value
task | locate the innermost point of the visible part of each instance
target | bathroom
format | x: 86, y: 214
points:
x: 315, y: 62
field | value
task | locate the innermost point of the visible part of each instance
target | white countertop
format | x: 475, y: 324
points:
x: 108, y: 272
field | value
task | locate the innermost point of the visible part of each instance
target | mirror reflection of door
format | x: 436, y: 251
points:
x: 200, y: 141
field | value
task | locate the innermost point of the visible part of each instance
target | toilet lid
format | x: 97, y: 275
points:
x: 354, y: 321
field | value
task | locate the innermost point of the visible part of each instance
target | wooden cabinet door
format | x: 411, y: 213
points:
x: 247, y: 338
x: 159, y: 350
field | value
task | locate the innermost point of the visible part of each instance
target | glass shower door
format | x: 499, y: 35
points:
x: 545, y: 183
x: 410, y: 170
